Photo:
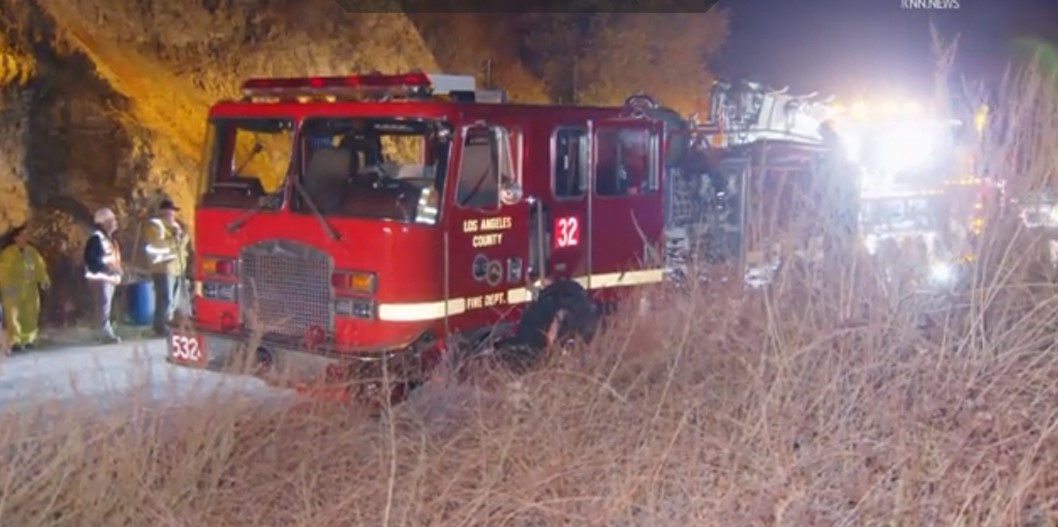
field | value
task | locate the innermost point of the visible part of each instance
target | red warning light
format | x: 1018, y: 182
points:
x: 375, y: 80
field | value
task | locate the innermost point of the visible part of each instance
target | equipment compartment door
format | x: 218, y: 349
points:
x: 488, y: 222
x: 626, y: 212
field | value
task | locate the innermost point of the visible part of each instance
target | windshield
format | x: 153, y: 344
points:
x: 378, y: 168
x: 248, y: 160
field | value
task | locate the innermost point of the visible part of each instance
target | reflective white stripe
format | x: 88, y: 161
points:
x: 161, y: 258
x: 160, y: 254
x: 157, y: 251
x: 517, y: 296
x: 424, y: 311
x: 419, y: 311
x: 103, y: 277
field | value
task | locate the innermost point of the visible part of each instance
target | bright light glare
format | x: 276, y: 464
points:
x: 852, y: 142
x: 871, y: 243
x: 906, y: 148
x: 941, y: 272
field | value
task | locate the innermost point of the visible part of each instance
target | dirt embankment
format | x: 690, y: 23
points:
x: 16, y: 69
x: 108, y: 106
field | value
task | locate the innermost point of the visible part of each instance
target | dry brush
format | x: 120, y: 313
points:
x: 714, y: 407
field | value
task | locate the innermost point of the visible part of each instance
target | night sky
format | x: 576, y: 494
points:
x: 872, y: 47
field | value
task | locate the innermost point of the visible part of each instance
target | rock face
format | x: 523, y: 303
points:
x: 14, y: 125
x: 107, y: 107
x: 16, y: 69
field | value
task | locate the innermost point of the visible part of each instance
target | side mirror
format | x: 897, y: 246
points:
x: 510, y: 192
x: 427, y: 207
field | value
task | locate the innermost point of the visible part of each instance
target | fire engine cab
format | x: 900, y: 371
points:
x: 346, y: 220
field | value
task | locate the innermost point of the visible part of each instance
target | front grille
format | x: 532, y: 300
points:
x: 286, y: 288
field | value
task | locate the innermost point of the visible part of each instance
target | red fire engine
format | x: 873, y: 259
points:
x: 348, y: 222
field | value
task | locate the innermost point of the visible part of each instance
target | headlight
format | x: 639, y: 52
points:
x: 354, y: 307
x: 941, y: 272
x: 871, y: 243
x: 218, y: 291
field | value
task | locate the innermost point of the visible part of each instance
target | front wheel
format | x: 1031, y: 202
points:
x: 560, y: 317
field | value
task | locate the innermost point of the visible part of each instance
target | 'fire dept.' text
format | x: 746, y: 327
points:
x: 489, y: 300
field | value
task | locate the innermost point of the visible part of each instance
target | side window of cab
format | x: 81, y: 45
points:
x: 626, y: 162
x: 489, y: 160
x: 570, y: 160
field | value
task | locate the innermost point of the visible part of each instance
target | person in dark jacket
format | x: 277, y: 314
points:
x: 102, y: 260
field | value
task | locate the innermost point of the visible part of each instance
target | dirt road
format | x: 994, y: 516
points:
x: 101, y: 371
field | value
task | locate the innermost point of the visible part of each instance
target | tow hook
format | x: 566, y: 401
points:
x: 263, y: 360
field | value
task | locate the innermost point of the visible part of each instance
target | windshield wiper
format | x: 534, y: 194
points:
x: 327, y: 227
x: 268, y: 200
x: 256, y: 149
x: 271, y: 200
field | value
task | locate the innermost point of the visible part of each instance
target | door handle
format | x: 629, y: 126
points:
x: 537, y: 246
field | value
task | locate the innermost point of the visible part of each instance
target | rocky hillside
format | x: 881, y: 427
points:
x: 107, y: 106
x: 101, y: 107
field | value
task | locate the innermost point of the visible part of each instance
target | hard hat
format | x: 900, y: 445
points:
x: 103, y: 215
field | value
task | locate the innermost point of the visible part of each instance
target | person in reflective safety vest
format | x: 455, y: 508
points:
x: 102, y: 260
x: 23, y: 274
x: 167, y: 251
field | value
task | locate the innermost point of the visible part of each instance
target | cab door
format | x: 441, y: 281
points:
x: 563, y: 241
x: 626, y: 219
x: 488, y: 225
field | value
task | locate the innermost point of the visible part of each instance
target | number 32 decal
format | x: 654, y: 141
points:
x: 185, y: 349
x: 567, y: 232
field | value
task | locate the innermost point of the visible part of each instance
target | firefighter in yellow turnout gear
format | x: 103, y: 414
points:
x: 167, y: 252
x: 23, y: 274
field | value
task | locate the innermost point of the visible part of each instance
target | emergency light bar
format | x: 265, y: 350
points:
x: 416, y: 84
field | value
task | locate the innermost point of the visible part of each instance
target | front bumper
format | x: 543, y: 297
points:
x: 285, y: 365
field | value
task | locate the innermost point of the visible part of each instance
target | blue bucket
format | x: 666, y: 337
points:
x: 141, y: 303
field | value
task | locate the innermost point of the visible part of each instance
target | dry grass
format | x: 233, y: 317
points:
x: 718, y: 408
x: 709, y: 411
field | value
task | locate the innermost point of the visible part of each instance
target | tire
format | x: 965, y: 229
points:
x: 562, y: 315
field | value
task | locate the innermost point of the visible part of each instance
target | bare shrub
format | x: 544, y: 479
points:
x: 715, y: 407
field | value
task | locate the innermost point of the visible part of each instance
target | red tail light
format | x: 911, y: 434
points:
x: 225, y: 268
x: 217, y: 267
